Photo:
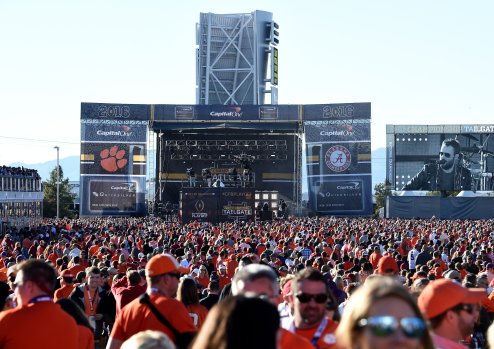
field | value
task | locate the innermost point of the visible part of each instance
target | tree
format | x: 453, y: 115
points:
x: 50, y: 195
x: 381, y: 190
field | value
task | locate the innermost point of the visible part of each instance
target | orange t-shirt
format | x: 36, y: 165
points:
x: 86, y: 337
x: 198, y: 314
x: 44, y: 325
x: 203, y: 281
x: 136, y: 317
x: 327, y: 339
x: 289, y: 340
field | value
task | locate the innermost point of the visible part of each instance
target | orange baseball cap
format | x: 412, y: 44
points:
x: 440, y: 295
x: 163, y: 264
x: 387, y: 264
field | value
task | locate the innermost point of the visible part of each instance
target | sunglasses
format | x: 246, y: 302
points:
x: 306, y: 297
x: 469, y: 308
x: 383, y: 326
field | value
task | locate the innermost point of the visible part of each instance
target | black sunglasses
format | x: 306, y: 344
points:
x: 383, y: 326
x: 306, y: 297
x: 469, y: 308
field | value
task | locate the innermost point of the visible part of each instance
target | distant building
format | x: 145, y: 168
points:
x: 21, y: 197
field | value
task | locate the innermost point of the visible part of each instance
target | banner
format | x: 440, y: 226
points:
x: 199, y: 205
x: 113, y: 159
x: 116, y: 195
x: 338, y: 153
x: 228, y: 113
x: 236, y: 204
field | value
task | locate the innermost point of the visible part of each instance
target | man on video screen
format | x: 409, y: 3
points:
x: 446, y: 174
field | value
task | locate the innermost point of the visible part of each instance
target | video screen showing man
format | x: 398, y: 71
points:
x: 446, y: 174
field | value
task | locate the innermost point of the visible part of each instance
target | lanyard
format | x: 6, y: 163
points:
x: 92, y: 300
x: 318, y: 333
x: 41, y: 299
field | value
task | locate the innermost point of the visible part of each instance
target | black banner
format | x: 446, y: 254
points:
x: 107, y: 111
x: 199, y: 205
x: 236, y: 204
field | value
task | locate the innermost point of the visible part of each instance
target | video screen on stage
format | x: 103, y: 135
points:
x: 460, y: 161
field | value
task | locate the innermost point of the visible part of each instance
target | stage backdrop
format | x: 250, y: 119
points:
x: 338, y: 149
x: 113, y: 159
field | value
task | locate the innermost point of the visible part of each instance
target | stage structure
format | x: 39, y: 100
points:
x: 248, y: 148
x: 234, y: 54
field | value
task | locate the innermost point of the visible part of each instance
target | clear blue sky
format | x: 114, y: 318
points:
x: 417, y: 62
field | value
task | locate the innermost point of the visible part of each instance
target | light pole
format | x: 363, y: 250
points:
x: 58, y: 180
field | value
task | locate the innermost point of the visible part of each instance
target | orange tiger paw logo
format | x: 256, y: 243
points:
x: 113, y: 159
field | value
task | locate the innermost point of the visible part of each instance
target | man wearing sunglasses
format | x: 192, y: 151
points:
x: 452, y: 311
x: 309, y: 301
x: 162, y: 277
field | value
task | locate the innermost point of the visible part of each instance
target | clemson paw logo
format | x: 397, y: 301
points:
x: 113, y: 159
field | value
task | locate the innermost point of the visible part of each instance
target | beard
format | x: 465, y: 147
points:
x: 311, y: 316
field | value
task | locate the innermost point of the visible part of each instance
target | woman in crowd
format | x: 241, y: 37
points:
x: 382, y: 314
x: 188, y: 294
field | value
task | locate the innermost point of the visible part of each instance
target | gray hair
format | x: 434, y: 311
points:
x: 253, y: 272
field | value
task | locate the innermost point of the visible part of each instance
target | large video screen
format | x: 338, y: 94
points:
x: 441, y: 161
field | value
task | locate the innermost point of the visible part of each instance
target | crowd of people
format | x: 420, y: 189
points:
x: 321, y: 282
x: 19, y: 172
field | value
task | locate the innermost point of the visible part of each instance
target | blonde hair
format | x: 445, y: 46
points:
x: 361, y: 301
x: 148, y: 340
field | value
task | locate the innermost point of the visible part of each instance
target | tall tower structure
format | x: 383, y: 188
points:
x: 233, y: 56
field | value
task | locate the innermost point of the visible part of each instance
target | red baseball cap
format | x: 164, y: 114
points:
x: 163, y: 264
x: 67, y: 274
x: 440, y: 295
x: 387, y: 264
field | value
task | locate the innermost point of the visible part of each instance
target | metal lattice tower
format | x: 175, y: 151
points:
x: 232, y: 58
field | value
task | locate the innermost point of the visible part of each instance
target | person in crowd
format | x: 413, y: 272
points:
x: 382, y: 314
x: 188, y: 294
x: 261, y: 281
x: 213, y: 295
x: 127, y: 288
x: 309, y: 298
x: 240, y: 322
x: 452, y: 311
x: 94, y: 300
x: 86, y: 337
x: 162, y: 277
x: 48, y: 325
x: 66, y: 285
x: 447, y: 174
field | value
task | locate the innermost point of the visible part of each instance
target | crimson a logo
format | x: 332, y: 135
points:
x: 338, y: 158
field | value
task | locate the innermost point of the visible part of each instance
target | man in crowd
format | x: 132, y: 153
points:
x: 446, y: 175
x: 66, y: 285
x: 309, y: 299
x: 162, y: 276
x: 213, y: 296
x: 452, y: 311
x: 37, y: 322
x: 127, y: 289
x: 93, y: 300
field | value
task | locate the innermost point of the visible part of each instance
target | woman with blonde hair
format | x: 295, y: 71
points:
x: 382, y: 314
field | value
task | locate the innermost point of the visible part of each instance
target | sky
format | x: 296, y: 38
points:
x: 416, y: 62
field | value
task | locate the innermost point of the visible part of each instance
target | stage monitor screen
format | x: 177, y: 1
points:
x: 440, y: 161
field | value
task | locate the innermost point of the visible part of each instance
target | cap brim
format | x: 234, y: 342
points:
x: 475, y: 295
x: 182, y: 270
